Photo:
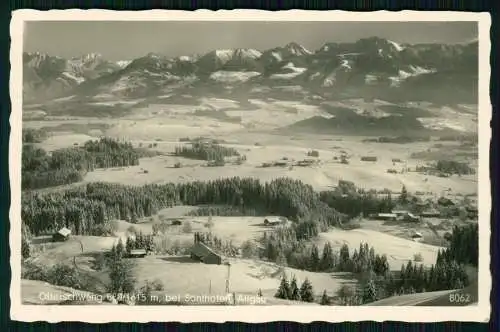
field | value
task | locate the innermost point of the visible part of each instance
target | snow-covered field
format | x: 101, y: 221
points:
x: 291, y: 71
x: 272, y: 148
x: 164, y: 124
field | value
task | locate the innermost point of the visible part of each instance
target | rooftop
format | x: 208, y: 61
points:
x: 200, y: 249
x: 138, y: 252
x: 64, y: 231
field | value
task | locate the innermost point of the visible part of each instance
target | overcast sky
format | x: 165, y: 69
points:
x: 121, y: 40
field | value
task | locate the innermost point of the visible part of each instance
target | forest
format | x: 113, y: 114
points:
x: 88, y: 209
x: 376, y: 280
x: 454, y: 167
x: 85, y: 208
x: 69, y: 165
x: 285, y: 248
x: 205, y: 151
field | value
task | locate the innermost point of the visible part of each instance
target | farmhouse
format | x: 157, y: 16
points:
x: 62, y: 235
x: 411, y: 217
x: 280, y: 164
x: 416, y: 236
x: 430, y: 214
x: 406, y: 215
x: 400, y: 213
x: 369, y: 158
x: 203, y: 253
x: 138, y: 253
x: 274, y: 221
x: 305, y: 162
x: 386, y: 216
x: 445, y: 201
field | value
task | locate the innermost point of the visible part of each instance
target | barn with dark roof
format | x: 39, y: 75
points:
x: 203, y: 253
x: 61, y: 235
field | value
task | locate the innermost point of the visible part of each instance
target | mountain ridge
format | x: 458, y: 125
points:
x: 369, y: 66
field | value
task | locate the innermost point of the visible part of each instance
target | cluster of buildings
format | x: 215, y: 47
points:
x: 397, y: 215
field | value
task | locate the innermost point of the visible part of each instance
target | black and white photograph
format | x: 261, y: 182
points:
x: 300, y: 165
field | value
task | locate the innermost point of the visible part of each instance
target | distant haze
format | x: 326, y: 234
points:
x: 121, y: 40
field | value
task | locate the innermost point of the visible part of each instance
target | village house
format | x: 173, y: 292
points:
x: 406, y: 215
x: 416, y: 236
x: 305, y: 162
x: 443, y: 201
x: 62, y: 235
x: 271, y: 221
x: 369, y: 158
x: 203, y: 253
x: 430, y: 214
x: 386, y: 216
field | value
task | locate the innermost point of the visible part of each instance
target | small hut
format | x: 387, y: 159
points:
x: 411, y: 217
x: 444, y: 201
x: 269, y: 221
x: 416, y: 236
x: 430, y: 214
x: 62, y: 235
x: 386, y: 216
x: 137, y: 253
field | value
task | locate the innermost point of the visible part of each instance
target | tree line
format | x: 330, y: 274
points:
x: 69, y: 165
x: 284, y: 248
x: 290, y: 290
x: 205, y: 151
x: 346, y: 198
x: 376, y: 279
x: 454, y: 167
x: 139, y: 241
x: 31, y: 135
x: 448, y: 272
x: 86, y: 207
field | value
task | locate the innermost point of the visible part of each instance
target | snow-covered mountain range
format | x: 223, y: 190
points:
x: 373, y: 67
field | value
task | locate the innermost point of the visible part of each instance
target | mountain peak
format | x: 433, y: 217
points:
x: 87, y: 58
x: 152, y: 55
x: 91, y: 56
x: 123, y: 63
x: 297, y: 49
x: 248, y: 53
x: 375, y: 63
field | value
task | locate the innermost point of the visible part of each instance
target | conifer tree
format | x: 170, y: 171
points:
x: 119, y: 248
x: 314, y: 258
x: 294, y: 290
x: 281, y: 259
x: 327, y: 257
x: 404, y: 195
x: 325, y: 300
x: 344, y: 257
x: 283, y: 289
x: 306, y: 291
x: 369, y: 291
x: 25, y: 248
